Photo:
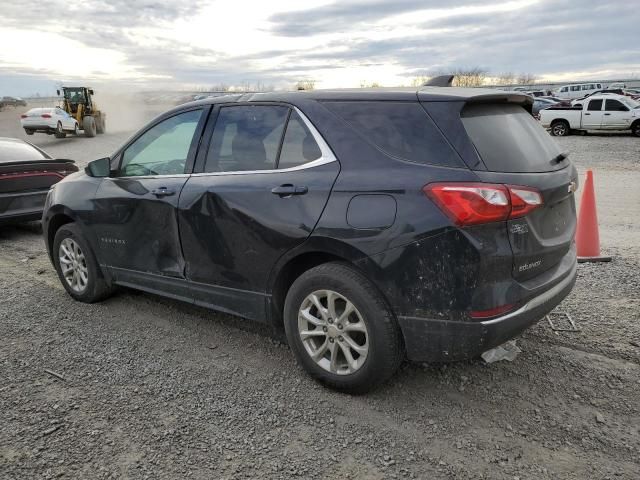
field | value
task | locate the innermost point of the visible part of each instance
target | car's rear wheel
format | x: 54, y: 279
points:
x: 77, y: 267
x: 560, y: 128
x: 28, y: 131
x: 341, y: 330
x: 59, y: 133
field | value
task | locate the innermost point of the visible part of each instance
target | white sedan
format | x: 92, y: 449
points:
x: 50, y: 121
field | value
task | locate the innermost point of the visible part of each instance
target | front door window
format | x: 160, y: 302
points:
x: 163, y: 149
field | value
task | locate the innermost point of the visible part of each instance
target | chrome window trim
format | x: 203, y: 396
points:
x: 326, y: 156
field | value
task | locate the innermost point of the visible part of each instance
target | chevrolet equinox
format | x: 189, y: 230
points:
x: 370, y: 225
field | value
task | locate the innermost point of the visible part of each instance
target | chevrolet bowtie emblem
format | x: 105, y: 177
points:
x: 572, y: 187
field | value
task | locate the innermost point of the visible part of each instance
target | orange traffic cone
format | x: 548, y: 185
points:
x: 587, y: 236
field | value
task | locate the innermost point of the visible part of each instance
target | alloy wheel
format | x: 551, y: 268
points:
x: 333, y: 332
x: 73, y: 265
x: 559, y: 129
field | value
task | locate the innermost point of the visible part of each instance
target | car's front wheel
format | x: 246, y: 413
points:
x: 341, y: 330
x: 59, y: 133
x: 635, y: 128
x: 28, y: 131
x: 77, y: 267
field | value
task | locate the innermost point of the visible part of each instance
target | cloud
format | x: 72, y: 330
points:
x: 341, y: 16
x: 162, y: 43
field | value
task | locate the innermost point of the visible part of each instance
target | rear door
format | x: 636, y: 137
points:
x: 515, y: 150
x: 262, y: 185
x: 592, y: 114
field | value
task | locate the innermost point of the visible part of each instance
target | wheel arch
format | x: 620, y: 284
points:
x: 54, y: 223
x: 290, y: 266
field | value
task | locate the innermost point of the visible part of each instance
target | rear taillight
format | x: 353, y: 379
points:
x: 523, y: 200
x: 477, y: 203
x: 24, y: 115
x: 45, y: 115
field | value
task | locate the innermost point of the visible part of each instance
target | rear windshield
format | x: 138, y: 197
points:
x: 400, y: 129
x: 509, y: 139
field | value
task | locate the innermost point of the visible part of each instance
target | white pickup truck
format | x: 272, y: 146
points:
x: 598, y: 112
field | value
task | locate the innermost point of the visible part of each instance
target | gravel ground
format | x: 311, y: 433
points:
x: 153, y: 388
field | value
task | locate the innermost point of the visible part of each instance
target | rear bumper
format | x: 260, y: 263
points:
x: 428, y: 340
x: 39, y: 127
x: 22, y: 206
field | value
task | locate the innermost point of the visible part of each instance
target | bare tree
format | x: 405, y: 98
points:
x: 526, y: 79
x: 469, y: 76
x: 364, y: 84
x: 505, y: 78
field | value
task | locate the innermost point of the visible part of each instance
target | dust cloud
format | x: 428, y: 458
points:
x: 127, y: 111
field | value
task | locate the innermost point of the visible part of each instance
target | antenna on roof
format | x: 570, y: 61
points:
x: 440, y: 81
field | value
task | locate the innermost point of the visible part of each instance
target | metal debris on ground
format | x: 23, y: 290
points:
x: 559, y: 317
x: 54, y: 374
x: 507, y: 351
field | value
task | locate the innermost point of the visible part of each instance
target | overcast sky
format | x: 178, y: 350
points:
x: 200, y: 43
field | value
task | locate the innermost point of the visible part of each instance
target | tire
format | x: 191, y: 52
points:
x: 635, y: 129
x: 76, y: 129
x: 87, y: 283
x: 371, y: 327
x: 100, y: 125
x: 59, y: 133
x: 560, y: 128
x: 89, y: 126
x: 28, y: 131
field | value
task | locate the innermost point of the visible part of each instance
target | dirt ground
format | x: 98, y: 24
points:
x: 153, y: 388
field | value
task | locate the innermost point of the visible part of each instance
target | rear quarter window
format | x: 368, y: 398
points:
x: 402, y: 130
x: 509, y: 139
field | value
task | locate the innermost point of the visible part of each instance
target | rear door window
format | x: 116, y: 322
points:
x: 509, y: 139
x: 299, y: 146
x: 246, y: 138
x: 400, y: 129
x: 595, y: 105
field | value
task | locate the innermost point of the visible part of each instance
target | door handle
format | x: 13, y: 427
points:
x: 162, y: 192
x: 607, y: 114
x: 587, y: 114
x: 287, y: 190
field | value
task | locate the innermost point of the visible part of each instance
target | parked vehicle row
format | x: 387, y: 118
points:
x: 12, y: 102
x: 598, y: 112
x: 369, y: 225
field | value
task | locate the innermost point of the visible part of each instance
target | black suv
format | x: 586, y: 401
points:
x: 369, y: 224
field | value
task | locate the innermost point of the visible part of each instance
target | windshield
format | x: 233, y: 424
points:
x: 630, y: 102
x: 509, y: 139
x: 75, y: 95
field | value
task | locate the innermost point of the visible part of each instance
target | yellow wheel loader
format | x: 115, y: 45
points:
x: 78, y: 102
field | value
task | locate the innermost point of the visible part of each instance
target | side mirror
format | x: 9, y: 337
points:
x: 99, y: 168
x: 90, y: 92
x: 58, y: 92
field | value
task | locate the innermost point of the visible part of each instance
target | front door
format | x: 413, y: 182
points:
x: 616, y: 115
x: 135, y: 210
x: 265, y: 181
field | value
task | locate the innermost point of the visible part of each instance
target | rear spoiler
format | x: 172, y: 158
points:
x: 440, y: 81
x: 44, y: 164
